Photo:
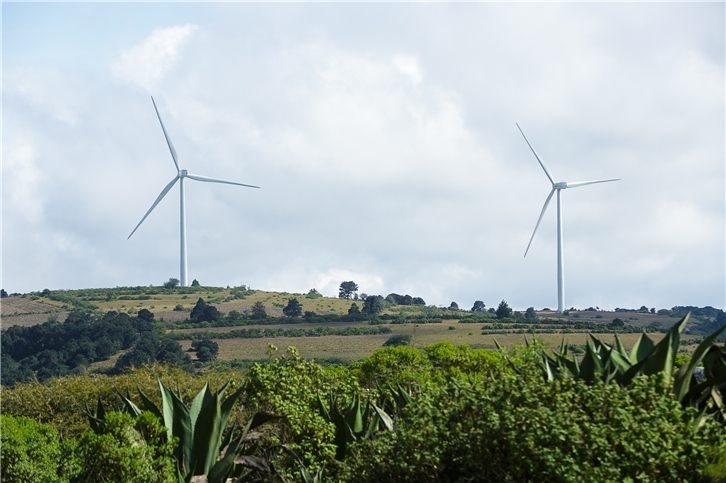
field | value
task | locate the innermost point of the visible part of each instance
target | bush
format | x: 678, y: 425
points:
x: 31, y: 452
x: 514, y: 428
x: 128, y: 449
x: 398, y: 339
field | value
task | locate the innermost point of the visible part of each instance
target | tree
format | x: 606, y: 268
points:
x: 3, y: 293
x: 293, y: 308
x: 198, y: 310
x: 259, y: 311
x: 347, y: 289
x: 372, y: 305
x: 313, y: 294
x: 195, y: 283
x: 453, y: 306
x: 202, y: 311
x: 145, y: 314
x: 418, y: 301
x: 616, y: 323
x: 206, y: 349
x: 171, y: 283
x: 503, y: 310
x: 478, y: 306
x: 353, y: 310
x: 530, y: 314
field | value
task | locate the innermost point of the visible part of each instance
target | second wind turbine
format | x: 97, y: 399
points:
x: 180, y: 175
x: 558, y: 187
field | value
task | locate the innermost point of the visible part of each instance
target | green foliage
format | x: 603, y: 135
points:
x: 372, y: 305
x: 503, y: 310
x: 347, y: 289
x: 515, y: 428
x: 354, y: 309
x: 478, y: 306
x: 353, y: 423
x: 398, y: 339
x: 204, y: 312
x: 289, y: 386
x: 313, y: 294
x: 293, y: 308
x: 202, y: 448
x: 258, y: 310
x: 61, y: 402
x: 32, y: 452
x: 127, y: 448
x: 206, y: 349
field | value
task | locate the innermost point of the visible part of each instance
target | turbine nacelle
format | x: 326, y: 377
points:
x: 560, y: 186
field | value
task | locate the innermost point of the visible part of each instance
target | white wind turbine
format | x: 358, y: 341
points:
x: 180, y: 175
x: 559, y: 186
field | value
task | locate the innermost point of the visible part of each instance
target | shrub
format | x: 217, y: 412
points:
x: 128, y: 449
x: 398, y: 339
x: 515, y: 428
x: 31, y: 452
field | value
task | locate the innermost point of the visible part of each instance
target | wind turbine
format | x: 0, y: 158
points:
x: 180, y: 175
x: 558, y: 187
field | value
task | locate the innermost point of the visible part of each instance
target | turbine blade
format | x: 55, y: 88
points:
x: 168, y: 141
x: 544, y: 208
x: 158, y: 199
x: 577, y: 184
x: 541, y: 163
x: 212, y: 180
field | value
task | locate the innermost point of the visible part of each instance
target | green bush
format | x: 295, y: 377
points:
x: 290, y: 386
x: 32, y: 452
x: 515, y: 428
x: 128, y: 449
x: 61, y: 401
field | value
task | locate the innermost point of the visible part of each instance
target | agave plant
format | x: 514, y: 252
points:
x: 353, y: 423
x: 204, y: 452
x: 602, y: 362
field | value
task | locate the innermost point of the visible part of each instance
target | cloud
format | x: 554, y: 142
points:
x: 146, y: 63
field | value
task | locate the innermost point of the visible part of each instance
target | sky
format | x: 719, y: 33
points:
x: 383, y: 138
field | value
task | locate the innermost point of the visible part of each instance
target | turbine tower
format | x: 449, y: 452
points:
x: 558, y: 187
x: 180, y: 175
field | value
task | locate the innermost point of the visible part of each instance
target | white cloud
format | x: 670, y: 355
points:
x: 21, y: 178
x: 146, y: 63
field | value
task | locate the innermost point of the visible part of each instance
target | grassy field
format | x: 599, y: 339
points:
x: 27, y: 311
x: 351, y: 348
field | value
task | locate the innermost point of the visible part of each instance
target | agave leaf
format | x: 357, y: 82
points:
x: 642, y: 348
x: 619, y: 361
x: 696, y: 395
x: 373, y: 425
x: 627, y: 377
x: 323, y: 410
x: 150, y: 406
x: 182, y: 428
x: 662, y: 357
x: 385, y: 418
x: 621, y: 348
x: 563, y: 347
x: 129, y: 406
x: 196, y: 404
x: 685, y: 374
x: 526, y: 341
x: 405, y: 396
x: 228, y: 404
x: 570, y: 365
x: 254, y: 462
x: 547, y: 368
x: 591, y: 367
x: 167, y: 408
x: 260, y: 418
x: 207, y: 436
x: 353, y: 417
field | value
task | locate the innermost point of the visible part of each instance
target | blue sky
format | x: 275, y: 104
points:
x: 383, y: 137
